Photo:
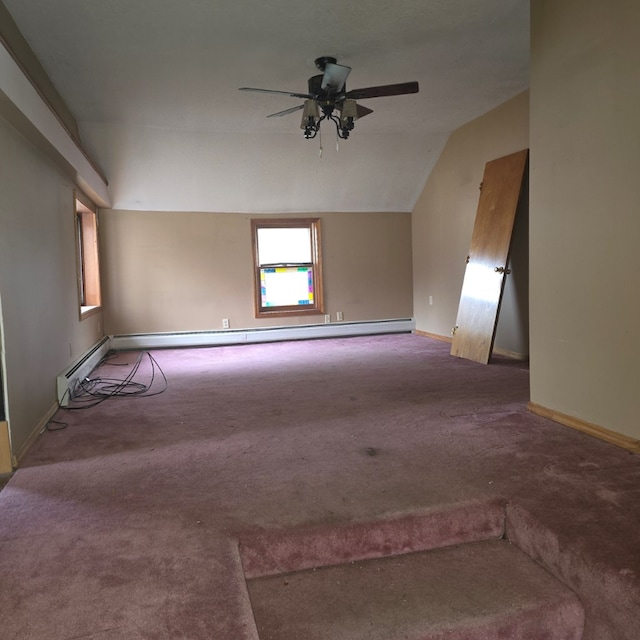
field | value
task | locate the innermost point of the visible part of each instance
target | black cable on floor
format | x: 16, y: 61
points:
x: 90, y: 392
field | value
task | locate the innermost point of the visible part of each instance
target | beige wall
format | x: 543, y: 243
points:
x: 443, y: 221
x: 585, y: 212
x: 38, y: 286
x: 177, y: 271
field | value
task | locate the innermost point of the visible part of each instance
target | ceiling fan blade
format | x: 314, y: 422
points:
x: 286, y: 111
x: 384, y: 90
x: 292, y: 94
x: 363, y: 111
x: 335, y: 75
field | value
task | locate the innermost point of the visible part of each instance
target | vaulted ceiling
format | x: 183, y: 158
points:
x: 154, y: 85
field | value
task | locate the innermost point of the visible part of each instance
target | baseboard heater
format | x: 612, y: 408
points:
x: 80, y: 369
x: 263, y: 334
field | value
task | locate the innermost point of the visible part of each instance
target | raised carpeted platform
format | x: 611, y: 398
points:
x: 268, y: 552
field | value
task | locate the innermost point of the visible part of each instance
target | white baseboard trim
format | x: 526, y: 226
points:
x: 262, y: 334
x: 80, y: 368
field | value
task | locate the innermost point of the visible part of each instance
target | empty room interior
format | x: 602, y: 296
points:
x: 319, y: 321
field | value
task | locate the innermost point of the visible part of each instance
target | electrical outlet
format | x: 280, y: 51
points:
x: 225, y: 323
x: 430, y: 299
x: 327, y: 318
x: 339, y: 316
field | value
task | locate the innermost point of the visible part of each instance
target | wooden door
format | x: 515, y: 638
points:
x: 6, y: 465
x: 486, y: 268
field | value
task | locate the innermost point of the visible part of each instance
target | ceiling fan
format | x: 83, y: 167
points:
x: 328, y: 93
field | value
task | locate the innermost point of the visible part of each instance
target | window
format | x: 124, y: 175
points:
x: 87, y: 258
x: 287, y: 266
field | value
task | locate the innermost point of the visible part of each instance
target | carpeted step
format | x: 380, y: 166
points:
x: 273, y: 551
x: 480, y: 591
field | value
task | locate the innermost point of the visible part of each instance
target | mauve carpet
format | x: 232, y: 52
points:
x: 127, y: 523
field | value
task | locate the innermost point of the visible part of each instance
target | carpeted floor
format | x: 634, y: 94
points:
x: 127, y: 523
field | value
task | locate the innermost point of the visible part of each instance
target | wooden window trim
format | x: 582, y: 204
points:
x: 316, y: 250
x: 87, y: 258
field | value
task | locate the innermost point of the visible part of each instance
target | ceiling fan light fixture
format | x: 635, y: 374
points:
x: 344, y: 123
x: 348, y: 114
x: 310, y: 116
x: 334, y: 78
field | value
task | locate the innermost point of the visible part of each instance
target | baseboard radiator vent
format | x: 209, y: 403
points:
x: 262, y: 334
x: 80, y: 369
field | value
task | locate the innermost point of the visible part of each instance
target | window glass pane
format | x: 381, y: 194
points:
x: 286, y: 286
x: 284, y: 246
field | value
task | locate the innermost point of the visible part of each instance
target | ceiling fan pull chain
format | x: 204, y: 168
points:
x: 320, y: 139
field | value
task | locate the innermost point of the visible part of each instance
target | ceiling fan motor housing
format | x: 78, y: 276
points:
x: 322, y: 61
x: 315, y: 86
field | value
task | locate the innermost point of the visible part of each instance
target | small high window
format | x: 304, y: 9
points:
x: 288, y: 267
x: 87, y: 258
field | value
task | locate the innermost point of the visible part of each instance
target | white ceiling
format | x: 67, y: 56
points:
x: 154, y: 87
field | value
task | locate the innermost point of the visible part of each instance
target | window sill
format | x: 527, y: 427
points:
x: 88, y: 311
x: 281, y: 313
